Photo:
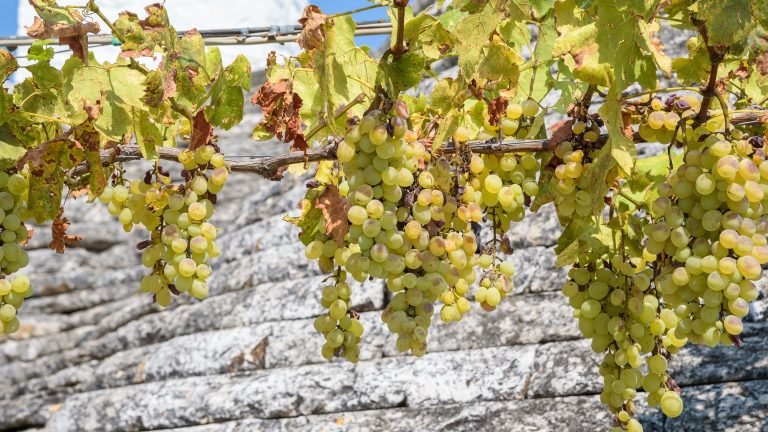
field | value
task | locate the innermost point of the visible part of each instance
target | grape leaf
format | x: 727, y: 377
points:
x: 445, y: 95
x: 281, y: 108
x: 227, y: 99
x: 11, y: 150
x: 60, y: 238
x: 148, y: 136
x: 334, y: 209
x: 728, y: 22
x: 472, y: 34
x: 622, y: 147
x: 46, y: 181
x: 583, y: 58
x: 313, y: 32
x: 694, y: 68
x: 620, y: 44
x: 500, y: 62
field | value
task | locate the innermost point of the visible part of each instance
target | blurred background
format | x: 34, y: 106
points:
x: 94, y: 354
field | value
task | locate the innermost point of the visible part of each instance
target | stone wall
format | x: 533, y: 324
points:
x: 96, y: 355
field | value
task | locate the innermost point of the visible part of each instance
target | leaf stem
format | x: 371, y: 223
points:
x: 95, y: 8
x: 627, y: 197
x: 45, y: 117
x: 399, y: 40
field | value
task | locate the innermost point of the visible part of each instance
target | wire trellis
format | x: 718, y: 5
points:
x: 274, y: 34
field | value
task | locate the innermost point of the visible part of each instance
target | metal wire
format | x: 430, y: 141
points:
x: 233, y: 36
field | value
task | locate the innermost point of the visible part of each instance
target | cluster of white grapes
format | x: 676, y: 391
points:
x: 406, y: 226
x: 569, y: 182
x: 340, y: 326
x: 709, y: 236
x: 617, y: 309
x: 13, y: 233
x: 182, y: 240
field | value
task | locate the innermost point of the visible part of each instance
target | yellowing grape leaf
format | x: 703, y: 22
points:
x: 583, y: 58
x: 620, y: 44
x: 471, y: 35
x: 500, y: 62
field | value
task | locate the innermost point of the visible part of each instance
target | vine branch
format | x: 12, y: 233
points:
x: 269, y: 167
x: 715, y: 58
x: 399, y: 43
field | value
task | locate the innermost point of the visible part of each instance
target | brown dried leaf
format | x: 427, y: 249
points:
x: 497, y: 108
x: 561, y: 131
x: 334, y: 209
x: 75, y: 36
x: 313, y: 34
x: 282, y: 112
x: 626, y: 119
x: 201, y: 131
x: 59, y: 234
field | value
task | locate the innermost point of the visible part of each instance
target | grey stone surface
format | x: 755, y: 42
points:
x: 94, y: 354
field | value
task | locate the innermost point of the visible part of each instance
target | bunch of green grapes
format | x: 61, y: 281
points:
x: 182, y: 240
x: 340, y: 326
x: 516, y: 122
x: 407, y: 226
x: 573, y: 159
x: 709, y: 237
x: 616, y: 306
x: 659, y: 119
x: 13, y: 233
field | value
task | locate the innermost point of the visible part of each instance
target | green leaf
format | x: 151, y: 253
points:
x: 472, y: 34
x: 583, y: 240
x: 500, y: 62
x: 46, y: 181
x: 445, y: 95
x: 694, y: 68
x: 227, y: 99
x: 622, y: 147
x: 403, y: 73
x: 40, y: 51
x: 148, y: 136
x: 580, y: 54
x: 447, y: 127
x: 727, y: 21
x: 619, y: 40
x: 11, y: 150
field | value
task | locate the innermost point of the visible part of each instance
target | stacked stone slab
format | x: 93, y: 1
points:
x: 96, y: 355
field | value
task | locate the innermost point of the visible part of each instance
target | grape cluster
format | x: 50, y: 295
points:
x: 182, y: 240
x: 709, y: 237
x: 340, y: 325
x: 13, y: 232
x: 616, y: 308
x: 410, y: 223
x: 660, y: 119
x: 572, y: 161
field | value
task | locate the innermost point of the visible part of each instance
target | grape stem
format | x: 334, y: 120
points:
x: 627, y: 197
x: 399, y: 43
x: 715, y: 58
x: 92, y: 6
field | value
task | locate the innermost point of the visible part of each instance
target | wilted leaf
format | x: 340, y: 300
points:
x: 60, y: 239
x: 334, y: 209
x: 313, y: 33
x: 201, y: 131
x: 281, y: 108
x: 561, y: 131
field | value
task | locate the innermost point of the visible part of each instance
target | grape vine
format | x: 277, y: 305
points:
x: 419, y: 191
